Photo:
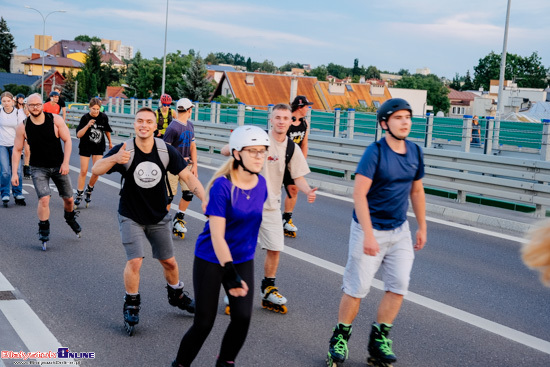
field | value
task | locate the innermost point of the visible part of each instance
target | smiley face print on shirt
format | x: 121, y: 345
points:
x: 147, y: 175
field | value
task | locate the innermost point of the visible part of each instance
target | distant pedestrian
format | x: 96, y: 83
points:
x: 60, y: 102
x: 49, y: 160
x: 298, y: 132
x: 92, y: 130
x: 389, y: 172
x: 142, y: 212
x: 224, y: 253
x: 21, y: 104
x: 164, y: 114
x: 476, y: 133
x: 181, y: 135
x: 52, y: 106
x: 10, y: 118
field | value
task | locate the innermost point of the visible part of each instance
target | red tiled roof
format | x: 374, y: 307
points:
x: 115, y: 92
x: 56, y: 61
x: 462, y: 96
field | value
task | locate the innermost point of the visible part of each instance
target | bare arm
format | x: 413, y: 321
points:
x: 102, y: 166
x: 80, y: 133
x: 193, y: 153
x: 65, y: 135
x: 64, y: 109
x: 303, y: 186
x: 418, y: 200
x: 361, y: 205
x: 16, y: 153
x: 108, y: 135
x: 304, y: 145
x: 193, y: 183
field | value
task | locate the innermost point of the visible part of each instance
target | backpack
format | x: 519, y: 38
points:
x: 290, y: 146
x: 162, y: 151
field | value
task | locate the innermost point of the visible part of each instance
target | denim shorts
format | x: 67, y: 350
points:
x: 41, y: 181
x: 395, y: 258
x: 134, y: 237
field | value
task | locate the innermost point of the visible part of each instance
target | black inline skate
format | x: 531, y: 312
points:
x: 5, y: 201
x: 78, y: 198
x: 338, y: 346
x: 179, y: 298
x: 380, y: 352
x: 224, y: 363
x: 88, y: 193
x: 178, y: 225
x: 288, y: 226
x: 131, y: 312
x: 44, y: 233
x: 26, y: 172
x: 20, y: 200
x: 70, y: 218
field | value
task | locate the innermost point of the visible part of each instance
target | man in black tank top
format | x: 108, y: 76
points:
x: 298, y: 132
x: 44, y: 132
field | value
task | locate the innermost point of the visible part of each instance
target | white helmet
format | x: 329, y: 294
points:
x: 246, y: 136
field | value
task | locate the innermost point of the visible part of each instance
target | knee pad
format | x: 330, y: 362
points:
x: 187, y: 195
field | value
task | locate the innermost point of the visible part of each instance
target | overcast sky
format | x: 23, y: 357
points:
x: 445, y: 36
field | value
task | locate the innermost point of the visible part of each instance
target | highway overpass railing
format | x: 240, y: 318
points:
x: 522, y: 180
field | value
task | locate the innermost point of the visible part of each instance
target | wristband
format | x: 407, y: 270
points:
x: 231, y: 279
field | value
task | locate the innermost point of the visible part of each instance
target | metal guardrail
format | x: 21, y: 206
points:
x: 512, y: 179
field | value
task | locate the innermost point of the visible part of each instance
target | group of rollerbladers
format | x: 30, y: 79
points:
x: 242, y: 202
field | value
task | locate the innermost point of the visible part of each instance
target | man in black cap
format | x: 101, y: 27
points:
x: 298, y: 132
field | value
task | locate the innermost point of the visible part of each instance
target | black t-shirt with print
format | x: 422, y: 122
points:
x: 93, y: 140
x: 144, y: 195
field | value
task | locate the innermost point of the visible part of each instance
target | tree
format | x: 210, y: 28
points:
x: 455, y: 84
x: 16, y: 89
x: 468, y: 84
x: 338, y: 71
x: 526, y: 71
x: 68, y: 87
x: 6, y: 45
x: 267, y: 66
x: 372, y: 72
x: 403, y: 72
x: 211, y: 59
x: 195, y: 86
x: 86, y: 38
x: 320, y: 72
x: 249, y: 64
x: 226, y: 100
x: 437, y: 92
x: 356, y: 71
x: 290, y: 65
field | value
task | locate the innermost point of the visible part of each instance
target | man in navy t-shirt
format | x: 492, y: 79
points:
x: 390, y: 171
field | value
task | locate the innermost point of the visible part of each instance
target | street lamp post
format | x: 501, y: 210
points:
x: 164, y: 59
x: 500, y: 102
x: 43, y: 36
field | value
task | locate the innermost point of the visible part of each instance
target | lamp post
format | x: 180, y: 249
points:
x: 164, y: 58
x: 500, y: 102
x: 43, y: 36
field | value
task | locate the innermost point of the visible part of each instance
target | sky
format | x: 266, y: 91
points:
x: 448, y: 37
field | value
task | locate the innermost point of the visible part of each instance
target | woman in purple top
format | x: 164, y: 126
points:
x: 224, y: 253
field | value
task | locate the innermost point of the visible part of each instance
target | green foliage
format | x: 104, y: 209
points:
x: 338, y: 71
x: 86, y: 38
x: 320, y: 72
x: 16, y: 89
x: 68, y: 87
x: 194, y: 85
x: 528, y: 71
x: 226, y: 100
x: 6, y: 45
x: 403, y: 72
x: 455, y: 84
x: 290, y: 65
x: 372, y: 72
x: 468, y: 84
x: 357, y: 107
x: 437, y: 92
x: 249, y: 64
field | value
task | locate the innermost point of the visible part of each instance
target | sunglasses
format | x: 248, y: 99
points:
x: 166, y: 105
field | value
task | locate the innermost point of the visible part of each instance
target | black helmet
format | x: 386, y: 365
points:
x: 391, y: 106
x: 20, y: 95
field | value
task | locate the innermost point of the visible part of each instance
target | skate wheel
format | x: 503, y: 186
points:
x: 283, y: 309
x: 78, y: 235
x: 87, y: 205
x: 227, y: 310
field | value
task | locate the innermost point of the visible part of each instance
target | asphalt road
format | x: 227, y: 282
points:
x: 471, y: 301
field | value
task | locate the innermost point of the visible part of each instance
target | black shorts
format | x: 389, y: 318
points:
x: 87, y: 152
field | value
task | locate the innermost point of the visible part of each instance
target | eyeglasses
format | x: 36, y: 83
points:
x: 254, y: 153
x: 34, y: 105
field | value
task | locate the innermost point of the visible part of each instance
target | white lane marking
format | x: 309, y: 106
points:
x: 450, y: 311
x: 493, y: 327
x: 430, y: 219
x: 5, y: 285
x: 32, y: 331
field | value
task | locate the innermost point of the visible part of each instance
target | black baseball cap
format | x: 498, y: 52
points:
x: 301, y: 101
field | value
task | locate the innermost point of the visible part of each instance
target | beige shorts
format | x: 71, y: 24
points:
x: 271, y: 236
x: 174, y: 179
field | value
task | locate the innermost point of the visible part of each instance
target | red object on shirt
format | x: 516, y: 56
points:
x: 48, y: 107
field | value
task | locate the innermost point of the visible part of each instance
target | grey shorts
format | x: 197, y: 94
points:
x: 41, y: 181
x: 271, y: 236
x: 134, y: 237
x: 395, y: 258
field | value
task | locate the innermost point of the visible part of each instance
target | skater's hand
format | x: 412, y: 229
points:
x: 64, y: 169
x: 420, y: 240
x: 370, y: 246
x: 311, y: 195
x: 15, y: 180
x: 91, y: 123
x: 122, y: 156
x: 239, y: 292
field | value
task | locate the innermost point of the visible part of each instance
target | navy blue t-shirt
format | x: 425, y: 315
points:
x: 392, y: 179
x: 243, y: 216
x: 144, y: 195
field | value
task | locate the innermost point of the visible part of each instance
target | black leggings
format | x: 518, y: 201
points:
x: 207, y: 279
